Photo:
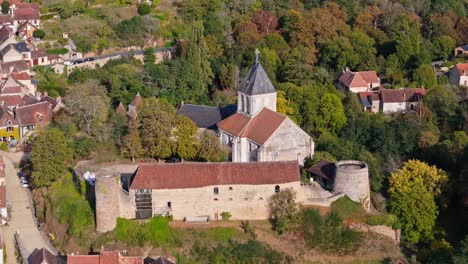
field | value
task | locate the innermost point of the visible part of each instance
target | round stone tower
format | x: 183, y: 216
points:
x: 352, y: 178
x: 107, y: 201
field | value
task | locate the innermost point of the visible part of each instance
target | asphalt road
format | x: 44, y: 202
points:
x: 21, y: 218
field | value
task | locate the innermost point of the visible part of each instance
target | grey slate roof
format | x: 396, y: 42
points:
x: 256, y: 81
x: 464, y: 47
x: 206, y: 116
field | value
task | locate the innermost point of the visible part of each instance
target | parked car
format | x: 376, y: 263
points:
x: 79, y: 61
x: 21, y: 174
x: 89, y: 59
x: 24, y: 183
x: 68, y: 63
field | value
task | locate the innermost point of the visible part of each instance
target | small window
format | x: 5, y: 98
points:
x: 216, y: 190
x: 230, y: 199
x: 246, y: 199
x: 277, y: 189
x: 230, y: 188
x: 261, y: 198
x: 216, y: 199
x: 169, y: 204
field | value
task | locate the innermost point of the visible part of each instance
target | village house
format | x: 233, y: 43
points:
x: 25, y: 31
x: 26, y: 12
x: 461, y: 51
x: 15, y: 52
x: 9, y: 126
x: 7, y: 37
x: 257, y: 132
x: 459, y: 74
x: 14, y: 66
x: 364, y: 81
x: 32, y: 116
x: 392, y: 100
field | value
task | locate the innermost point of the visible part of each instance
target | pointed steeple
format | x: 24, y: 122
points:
x: 137, y: 100
x: 256, y: 82
x: 120, y: 109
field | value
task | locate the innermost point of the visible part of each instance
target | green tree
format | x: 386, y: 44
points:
x: 131, y: 143
x: 5, y: 7
x: 283, y: 211
x: 425, y: 76
x: 331, y: 117
x: 184, y: 133
x: 144, y: 9
x: 209, y: 148
x: 39, y: 33
x: 149, y: 58
x: 155, y: 129
x: 412, y: 191
x: 51, y: 155
x: 299, y: 64
x: 88, y: 105
x: 197, y: 56
x: 443, y: 46
x: 338, y: 53
x: 461, y: 256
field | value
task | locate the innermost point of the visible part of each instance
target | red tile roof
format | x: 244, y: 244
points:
x: 26, y: 14
x: 5, y: 34
x: 12, y: 100
x: 462, y: 68
x: 130, y: 260
x: 258, y: 129
x: 234, y: 124
x: 23, y: 76
x: 358, y: 79
x: 6, y: 19
x: 3, y: 203
x: 19, y: 66
x: 38, y: 53
x: 109, y: 257
x: 29, y: 5
x: 11, y: 90
x: 30, y: 114
x: 83, y: 259
x: 15, y: 2
x: 196, y: 175
x: 374, y: 96
x: 402, y: 95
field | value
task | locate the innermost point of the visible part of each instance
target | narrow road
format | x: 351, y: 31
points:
x: 21, y: 217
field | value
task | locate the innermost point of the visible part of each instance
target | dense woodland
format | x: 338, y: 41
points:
x: 303, y: 45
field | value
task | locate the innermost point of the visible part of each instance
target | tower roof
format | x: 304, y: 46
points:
x: 257, y: 81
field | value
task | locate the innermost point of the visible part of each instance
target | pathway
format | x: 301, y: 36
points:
x: 21, y: 217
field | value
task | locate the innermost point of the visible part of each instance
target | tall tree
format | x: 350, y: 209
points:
x: 155, y: 129
x: 184, y: 134
x: 51, y: 155
x: 197, y: 55
x: 131, y: 143
x: 209, y: 148
x: 331, y: 117
x: 5, y: 7
x: 412, y: 192
x: 88, y: 105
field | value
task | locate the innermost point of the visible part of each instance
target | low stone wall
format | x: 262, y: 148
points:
x: 379, y: 229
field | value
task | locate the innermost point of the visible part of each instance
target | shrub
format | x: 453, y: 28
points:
x: 39, y: 33
x: 71, y: 209
x: 236, y: 252
x: 225, y: 215
x: 347, y: 208
x: 248, y: 229
x: 144, y: 9
x: 47, y: 17
x: 4, y: 146
x: 328, y: 233
x: 283, y: 211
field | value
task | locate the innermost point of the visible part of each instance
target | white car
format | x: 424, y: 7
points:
x: 68, y: 63
x: 24, y: 183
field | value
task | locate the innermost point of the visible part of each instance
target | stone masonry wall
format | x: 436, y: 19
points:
x: 289, y: 142
x: 243, y: 201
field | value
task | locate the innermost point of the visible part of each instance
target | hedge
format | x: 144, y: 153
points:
x: 57, y: 51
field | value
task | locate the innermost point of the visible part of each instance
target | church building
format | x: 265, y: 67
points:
x: 257, y: 132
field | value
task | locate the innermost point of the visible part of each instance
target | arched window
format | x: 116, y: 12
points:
x: 216, y: 190
x: 247, y: 110
x: 277, y: 189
